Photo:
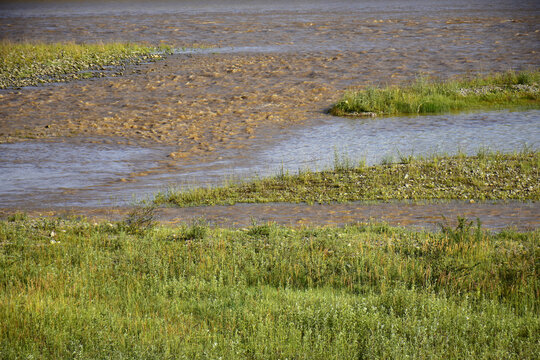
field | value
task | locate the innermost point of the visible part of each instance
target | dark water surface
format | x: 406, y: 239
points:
x: 476, y: 26
x: 252, y: 104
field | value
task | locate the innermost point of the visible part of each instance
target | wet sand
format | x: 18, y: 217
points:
x: 272, y: 69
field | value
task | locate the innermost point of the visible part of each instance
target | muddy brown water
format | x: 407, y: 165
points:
x: 255, y: 102
x: 495, y: 216
x: 97, y: 173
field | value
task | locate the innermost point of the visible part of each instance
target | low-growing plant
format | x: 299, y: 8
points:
x: 197, y: 231
x: 261, y: 231
x: 486, y: 176
x: 141, y: 218
x: 464, y: 231
x: 18, y: 216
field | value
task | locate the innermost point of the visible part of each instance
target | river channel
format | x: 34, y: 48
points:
x: 246, y: 92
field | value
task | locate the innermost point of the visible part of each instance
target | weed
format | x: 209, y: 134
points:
x: 261, y: 230
x: 18, y: 216
x: 405, y: 159
x: 464, y: 230
x: 196, y: 231
x: 342, y: 161
x: 387, y: 160
x: 141, y: 218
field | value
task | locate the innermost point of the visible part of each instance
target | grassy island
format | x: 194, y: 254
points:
x: 496, y: 91
x: 71, y: 289
x: 486, y: 176
x: 33, y: 63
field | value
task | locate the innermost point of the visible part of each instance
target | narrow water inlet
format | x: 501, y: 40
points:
x: 373, y: 140
x: 493, y: 215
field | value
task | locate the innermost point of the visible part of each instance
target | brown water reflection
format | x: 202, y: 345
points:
x: 284, y: 64
x: 493, y: 215
x: 201, y: 103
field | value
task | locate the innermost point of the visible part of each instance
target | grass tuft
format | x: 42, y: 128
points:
x: 140, y: 219
x: 496, y: 91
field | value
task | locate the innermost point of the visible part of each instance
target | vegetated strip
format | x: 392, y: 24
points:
x: 486, y: 176
x: 71, y: 288
x: 33, y: 63
x: 496, y: 91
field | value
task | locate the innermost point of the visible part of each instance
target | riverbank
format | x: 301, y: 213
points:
x: 485, y: 176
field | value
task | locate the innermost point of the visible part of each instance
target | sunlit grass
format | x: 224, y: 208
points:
x: 496, y: 91
x: 72, y: 289
x: 486, y: 176
x: 32, y: 63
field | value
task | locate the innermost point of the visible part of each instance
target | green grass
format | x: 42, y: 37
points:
x: 70, y: 289
x: 496, y: 91
x: 33, y: 63
x: 486, y: 176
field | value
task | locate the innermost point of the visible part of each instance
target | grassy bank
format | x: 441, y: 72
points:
x: 497, y: 91
x: 29, y: 63
x: 482, y: 177
x: 75, y: 290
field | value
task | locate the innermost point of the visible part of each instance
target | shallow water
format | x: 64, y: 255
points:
x: 36, y: 174
x: 476, y: 26
x: 42, y: 173
x: 492, y: 215
x: 254, y: 103
x: 521, y: 216
x: 374, y: 140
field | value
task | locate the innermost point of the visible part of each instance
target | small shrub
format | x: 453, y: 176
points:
x: 18, y: 216
x: 140, y: 219
x: 260, y: 230
x: 197, y: 231
x: 465, y: 231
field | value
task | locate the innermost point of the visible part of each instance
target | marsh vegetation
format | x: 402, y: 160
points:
x: 425, y: 95
x: 486, y: 176
x: 33, y: 63
x: 75, y: 289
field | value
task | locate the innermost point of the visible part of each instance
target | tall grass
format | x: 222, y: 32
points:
x: 31, y: 63
x: 71, y: 289
x: 500, y: 90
